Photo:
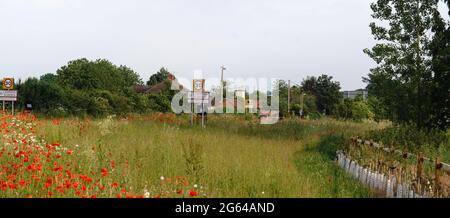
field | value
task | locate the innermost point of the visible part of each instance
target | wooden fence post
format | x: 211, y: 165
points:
x: 437, y: 181
x: 419, y: 173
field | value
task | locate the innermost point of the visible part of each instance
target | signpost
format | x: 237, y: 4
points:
x: 198, y: 96
x: 8, y: 94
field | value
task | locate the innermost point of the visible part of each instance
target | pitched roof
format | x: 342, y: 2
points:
x: 158, y: 88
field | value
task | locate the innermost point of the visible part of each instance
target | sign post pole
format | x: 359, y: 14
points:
x: 197, y: 101
x: 203, y: 113
x: 3, y: 106
x: 192, y: 113
x: 12, y: 107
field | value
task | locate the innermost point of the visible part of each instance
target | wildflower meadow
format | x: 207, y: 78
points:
x: 161, y: 156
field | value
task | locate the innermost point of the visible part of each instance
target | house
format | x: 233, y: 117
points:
x: 353, y: 94
x: 160, y: 87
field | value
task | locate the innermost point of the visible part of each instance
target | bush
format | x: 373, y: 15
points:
x: 353, y: 110
x: 409, y: 136
x: 159, y: 102
x: 44, y: 96
x: 361, y: 111
x: 314, y: 116
x: 116, y: 104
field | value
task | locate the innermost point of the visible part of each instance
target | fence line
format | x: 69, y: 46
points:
x: 444, y: 166
x: 405, y: 177
x: 387, y: 185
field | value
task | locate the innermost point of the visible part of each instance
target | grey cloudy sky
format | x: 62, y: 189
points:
x: 288, y: 39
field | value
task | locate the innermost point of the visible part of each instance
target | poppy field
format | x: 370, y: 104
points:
x: 162, y: 156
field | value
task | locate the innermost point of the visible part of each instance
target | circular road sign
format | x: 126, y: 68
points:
x: 8, y: 83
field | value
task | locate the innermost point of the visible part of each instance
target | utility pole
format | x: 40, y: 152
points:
x: 289, y: 97
x: 222, y: 85
x: 221, y: 77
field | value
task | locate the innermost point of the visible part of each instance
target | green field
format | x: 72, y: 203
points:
x: 232, y: 157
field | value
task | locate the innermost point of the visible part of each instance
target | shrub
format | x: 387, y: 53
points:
x: 360, y: 111
x: 409, y: 136
x: 314, y: 116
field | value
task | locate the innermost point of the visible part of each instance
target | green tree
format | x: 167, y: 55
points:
x: 354, y: 109
x: 159, y: 102
x: 158, y: 77
x: 283, y: 97
x: 101, y: 74
x: 325, y: 90
x: 440, y: 97
x: 300, y: 99
x: 403, y: 78
x: 44, y: 96
x: 49, y: 77
x: 361, y: 111
x: 377, y: 107
x: 344, y: 109
x: 128, y: 76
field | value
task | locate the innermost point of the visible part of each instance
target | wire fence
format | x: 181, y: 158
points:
x: 392, y: 173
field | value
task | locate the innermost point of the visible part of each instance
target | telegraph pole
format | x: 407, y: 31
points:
x: 222, y: 83
x: 221, y: 77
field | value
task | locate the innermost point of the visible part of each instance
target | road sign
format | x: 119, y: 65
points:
x: 198, y: 85
x: 8, y: 83
x: 8, y: 95
x: 198, y: 97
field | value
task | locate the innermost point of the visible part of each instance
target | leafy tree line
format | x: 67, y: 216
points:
x: 321, y: 96
x: 94, y: 88
x: 98, y: 88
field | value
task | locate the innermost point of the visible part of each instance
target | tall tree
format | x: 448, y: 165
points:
x: 101, y: 74
x: 403, y: 78
x: 160, y: 76
x: 326, y: 91
x: 43, y: 95
x: 441, y: 67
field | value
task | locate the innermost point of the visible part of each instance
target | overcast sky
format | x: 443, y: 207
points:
x: 287, y: 39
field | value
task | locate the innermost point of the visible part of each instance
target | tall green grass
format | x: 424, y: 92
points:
x: 232, y: 157
x: 430, y: 143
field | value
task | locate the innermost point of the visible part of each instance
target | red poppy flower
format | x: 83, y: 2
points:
x: 22, y: 182
x: 193, y: 193
x: 114, y: 184
x: 104, y: 172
